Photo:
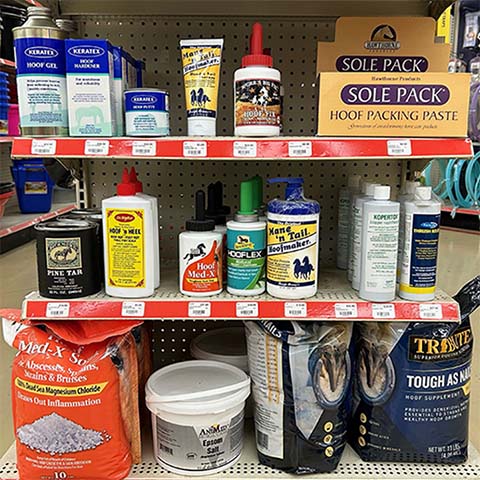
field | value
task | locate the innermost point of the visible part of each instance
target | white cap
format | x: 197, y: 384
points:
x: 201, y: 127
x: 354, y: 181
x: 370, y: 189
x: 364, y: 186
x: 423, y: 193
x: 410, y: 186
x: 381, y: 192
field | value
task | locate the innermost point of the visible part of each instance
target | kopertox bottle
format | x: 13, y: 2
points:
x: 357, y: 232
x: 40, y: 54
x: 419, y: 261
x: 344, y: 211
x: 246, y: 249
x: 200, y: 254
x: 292, y: 243
x: 128, y: 243
x: 379, y: 246
x: 257, y: 92
x: 156, y: 231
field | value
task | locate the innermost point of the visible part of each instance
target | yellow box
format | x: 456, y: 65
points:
x: 393, y: 105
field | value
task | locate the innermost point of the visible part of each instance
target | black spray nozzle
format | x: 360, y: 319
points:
x: 200, y: 223
x: 223, y: 209
x: 214, y: 210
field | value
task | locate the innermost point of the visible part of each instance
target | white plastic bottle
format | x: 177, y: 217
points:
x: 343, y: 226
x: 128, y: 243
x: 419, y: 261
x: 379, y: 246
x: 257, y: 92
x: 356, y: 250
x: 156, y: 232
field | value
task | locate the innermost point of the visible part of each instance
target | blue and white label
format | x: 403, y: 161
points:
x: 147, y: 113
x: 42, y: 95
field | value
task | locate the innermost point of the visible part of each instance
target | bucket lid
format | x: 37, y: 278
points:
x: 195, y: 380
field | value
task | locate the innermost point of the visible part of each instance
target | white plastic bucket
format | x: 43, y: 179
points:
x: 197, y: 416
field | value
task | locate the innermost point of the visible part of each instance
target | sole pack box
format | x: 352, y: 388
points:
x: 393, y: 104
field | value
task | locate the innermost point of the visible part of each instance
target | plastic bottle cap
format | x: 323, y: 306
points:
x: 410, y: 187
x: 370, y: 188
x: 381, y: 192
x: 125, y: 188
x: 213, y: 211
x: 257, y: 192
x: 202, y: 127
x: 354, y: 181
x: 256, y: 56
x: 246, y: 198
x: 200, y: 223
x: 364, y: 187
x: 223, y: 209
x: 423, y: 193
x: 294, y: 185
x: 135, y: 181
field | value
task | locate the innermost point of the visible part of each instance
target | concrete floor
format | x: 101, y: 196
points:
x: 459, y: 261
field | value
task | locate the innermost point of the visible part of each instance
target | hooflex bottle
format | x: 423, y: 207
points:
x: 128, y: 243
x: 200, y: 254
x: 258, y: 204
x: 379, y: 246
x: 246, y: 247
x: 343, y: 226
x: 292, y: 243
x: 419, y: 261
x: 41, y: 83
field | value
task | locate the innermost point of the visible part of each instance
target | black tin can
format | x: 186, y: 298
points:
x: 67, y: 259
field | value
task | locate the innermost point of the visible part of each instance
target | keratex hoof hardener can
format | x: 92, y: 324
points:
x: 147, y: 112
x: 67, y: 259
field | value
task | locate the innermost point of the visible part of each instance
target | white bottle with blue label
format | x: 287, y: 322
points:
x: 419, y: 261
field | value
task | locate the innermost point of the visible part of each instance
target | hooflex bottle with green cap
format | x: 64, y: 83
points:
x: 200, y: 254
x: 292, y: 243
x: 258, y: 204
x: 246, y: 249
x: 379, y: 246
x: 419, y: 261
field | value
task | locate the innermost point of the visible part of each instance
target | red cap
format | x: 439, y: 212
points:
x: 256, y: 56
x: 125, y: 188
x: 133, y: 179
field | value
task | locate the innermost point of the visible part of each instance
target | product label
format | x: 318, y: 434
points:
x: 246, y: 254
x: 292, y: 253
x: 126, y: 248
x: 343, y: 228
x: 35, y: 188
x: 199, y: 447
x: 419, y: 265
x: 356, y: 251
x: 381, y: 246
x: 63, y: 253
x: 257, y: 103
x: 42, y: 94
x: 147, y: 123
x: 201, y: 265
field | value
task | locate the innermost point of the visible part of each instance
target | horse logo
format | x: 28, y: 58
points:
x: 243, y: 242
x: 383, y: 37
x: 302, y: 270
x: 198, y: 98
x: 63, y: 253
x: 198, y: 251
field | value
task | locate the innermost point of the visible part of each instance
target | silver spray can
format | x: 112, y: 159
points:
x: 41, y: 83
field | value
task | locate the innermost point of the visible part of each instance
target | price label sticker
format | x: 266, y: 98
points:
x: 133, y: 309
x: 299, y: 149
x: 295, y: 309
x: 399, y: 148
x: 97, y: 147
x: 194, y: 149
x: 58, y: 310
x: 247, y: 309
x: 346, y: 310
x: 430, y: 311
x: 383, y: 310
x: 199, y: 309
x: 144, y: 148
x: 244, y: 149
x: 43, y: 147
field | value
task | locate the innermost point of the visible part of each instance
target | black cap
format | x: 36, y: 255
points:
x: 200, y: 223
x: 221, y: 208
x: 213, y: 212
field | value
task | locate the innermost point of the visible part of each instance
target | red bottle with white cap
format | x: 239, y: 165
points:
x: 257, y: 92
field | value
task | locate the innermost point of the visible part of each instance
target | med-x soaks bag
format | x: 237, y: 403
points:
x: 412, y: 388
x: 300, y: 375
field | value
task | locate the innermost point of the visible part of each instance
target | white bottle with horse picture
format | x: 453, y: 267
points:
x: 200, y: 254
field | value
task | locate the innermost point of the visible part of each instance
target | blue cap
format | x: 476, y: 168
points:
x: 294, y: 187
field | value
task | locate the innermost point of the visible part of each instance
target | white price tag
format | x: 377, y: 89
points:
x: 430, y: 311
x: 295, y: 309
x: 58, y: 310
x: 199, y: 309
x: 299, y: 149
x: 43, y: 147
x: 383, y: 310
x: 346, y: 310
x: 144, y: 148
x: 399, y: 147
x: 133, y: 309
x: 244, y: 149
x: 96, y: 147
x: 194, y: 149
x: 247, y: 309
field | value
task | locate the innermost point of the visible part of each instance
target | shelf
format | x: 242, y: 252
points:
x: 351, y: 467
x: 7, y: 63
x: 335, y: 301
x: 463, y: 211
x: 6, y: 139
x: 235, y: 148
